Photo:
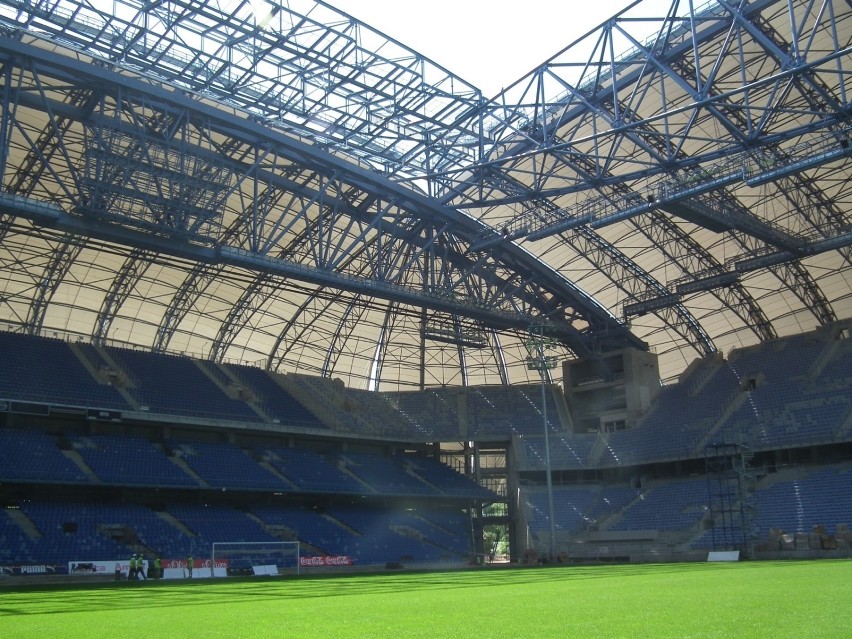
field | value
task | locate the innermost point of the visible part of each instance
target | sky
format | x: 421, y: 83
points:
x: 488, y: 43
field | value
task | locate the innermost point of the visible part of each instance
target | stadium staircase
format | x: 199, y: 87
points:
x: 173, y: 521
x: 178, y: 461
x: 612, y: 518
x: 300, y: 387
x: 264, y: 463
x: 600, y: 447
x: 342, y: 524
x: 126, y: 536
x: 343, y: 467
x: 80, y: 463
x: 282, y: 532
x: 413, y: 424
x: 846, y: 425
x: 24, y: 523
x: 701, y: 373
x: 125, y: 383
x: 823, y: 358
x: 228, y: 383
x: 415, y: 476
x: 565, y: 421
x: 105, y: 370
x: 735, y: 402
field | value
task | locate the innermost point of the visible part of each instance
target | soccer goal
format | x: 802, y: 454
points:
x: 256, y: 557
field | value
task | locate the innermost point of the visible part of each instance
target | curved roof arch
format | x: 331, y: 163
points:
x: 299, y: 191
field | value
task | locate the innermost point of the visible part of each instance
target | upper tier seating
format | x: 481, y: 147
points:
x: 786, y: 406
x: 274, y: 399
x: 784, y: 393
x: 39, y: 369
x: 434, y: 411
x: 176, y: 386
x: 495, y: 411
x: 567, y: 451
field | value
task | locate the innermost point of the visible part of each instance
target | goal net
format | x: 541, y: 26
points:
x: 256, y: 557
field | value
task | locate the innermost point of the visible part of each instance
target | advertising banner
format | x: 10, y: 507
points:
x: 102, y: 567
x: 38, y: 569
x: 326, y: 560
x: 201, y: 568
x: 172, y: 568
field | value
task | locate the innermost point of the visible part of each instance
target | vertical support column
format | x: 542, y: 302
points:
x: 423, y: 320
x: 5, y: 120
x: 537, y: 359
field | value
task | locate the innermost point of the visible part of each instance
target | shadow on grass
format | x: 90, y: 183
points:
x: 59, y: 598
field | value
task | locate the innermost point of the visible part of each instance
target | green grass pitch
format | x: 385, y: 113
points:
x: 796, y: 599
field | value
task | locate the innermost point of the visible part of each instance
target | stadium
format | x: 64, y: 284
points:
x: 280, y: 295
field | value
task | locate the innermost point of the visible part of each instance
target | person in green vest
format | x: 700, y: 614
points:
x: 157, y: 568
x: 131, y: 568
x: 189, y: 562
x: 140, y: 566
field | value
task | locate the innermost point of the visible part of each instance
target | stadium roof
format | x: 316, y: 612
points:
x: 278, y: 184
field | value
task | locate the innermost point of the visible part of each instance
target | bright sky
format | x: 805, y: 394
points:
x: 489, y: 43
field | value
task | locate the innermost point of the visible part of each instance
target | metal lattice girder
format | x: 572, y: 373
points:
x: 709, y: 211
x: 784, y: 265
x: 627, y: 275
x: 685, y: 81
x: 191, y: 290
x: 591, y: 134
x: 693, y: 258
x: 622, y: 270
x: 37, y: 161
x: 308, y: 69
x: 269, y: 154
x: 791, y: 274
x: 122, y: 286
x: 348, y: 219
x: 62, y: 256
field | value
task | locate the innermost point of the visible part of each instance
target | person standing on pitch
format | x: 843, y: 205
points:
x: 140, y: 567
x: 131, y: 568
x: 157, y: 568
x: 189, y: 562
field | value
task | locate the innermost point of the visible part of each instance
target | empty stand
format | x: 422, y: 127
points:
x: 173, y: 385
x: 34, y: 456
x: 131, y: 461
x: 310, y: 471
x: 39, y: 369
x: 384, y: 476
x: 274, y: 398
x: 224, y: 465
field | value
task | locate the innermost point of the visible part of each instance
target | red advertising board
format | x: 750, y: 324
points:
x: 196, y: 563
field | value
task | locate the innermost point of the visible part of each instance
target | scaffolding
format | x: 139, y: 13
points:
x: 729, y: 484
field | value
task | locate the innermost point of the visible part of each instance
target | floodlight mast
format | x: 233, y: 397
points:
x: 537, y: 359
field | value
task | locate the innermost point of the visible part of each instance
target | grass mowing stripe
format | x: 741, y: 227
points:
x: 799, y: 600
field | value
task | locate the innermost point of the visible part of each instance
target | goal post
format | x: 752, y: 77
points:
x: 256, y: 557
